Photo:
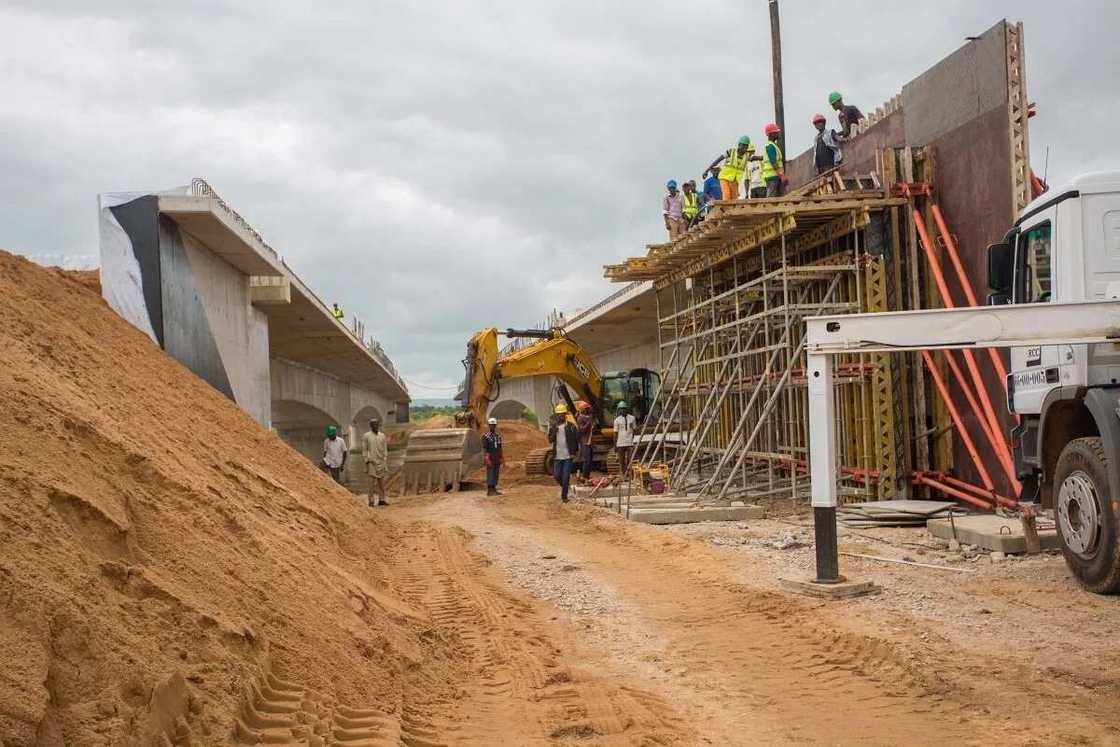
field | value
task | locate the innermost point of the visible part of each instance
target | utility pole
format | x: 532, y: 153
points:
x: 776, y: 64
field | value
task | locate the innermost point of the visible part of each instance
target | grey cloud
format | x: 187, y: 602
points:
x: 438, y: 168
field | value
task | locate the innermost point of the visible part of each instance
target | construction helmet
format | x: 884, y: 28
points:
x: 622, y: 405
x: 745, y: 140
x: 834, y: 97
x: 332, y: 430
x: 818, y: 118
x: 492, y: 421
x: 560, y: 409
x: 581, y: 405
x: 671, y: 184
x: 771, y: 129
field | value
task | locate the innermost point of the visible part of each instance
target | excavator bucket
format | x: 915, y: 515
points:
x: 440, y: 458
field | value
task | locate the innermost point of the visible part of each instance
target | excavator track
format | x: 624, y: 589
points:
x: 536, y: 463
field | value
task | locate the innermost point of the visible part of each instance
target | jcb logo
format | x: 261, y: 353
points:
x: 581, y: 368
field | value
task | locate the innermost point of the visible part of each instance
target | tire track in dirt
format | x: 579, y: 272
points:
x: 785, y: 675
x: 517, y: 687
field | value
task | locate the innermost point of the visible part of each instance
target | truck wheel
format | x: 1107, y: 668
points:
x: 1087, y: 523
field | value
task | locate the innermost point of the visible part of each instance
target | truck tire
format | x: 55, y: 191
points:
x: 1087, y: 522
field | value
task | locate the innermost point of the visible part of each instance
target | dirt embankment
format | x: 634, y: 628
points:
x: 166, y: 565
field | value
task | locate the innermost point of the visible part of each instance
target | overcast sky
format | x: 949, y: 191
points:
x: 438, y: 168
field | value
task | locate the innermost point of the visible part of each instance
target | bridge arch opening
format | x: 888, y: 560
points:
x: 302, y: 426
x: 512, y: 409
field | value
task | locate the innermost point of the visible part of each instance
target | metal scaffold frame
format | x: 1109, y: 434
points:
x: 731, y: 305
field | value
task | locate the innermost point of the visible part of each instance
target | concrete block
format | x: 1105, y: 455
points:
x: 690, y: 515
x: 990, y: 532
x: 270, y: 291
x: 845, y: 589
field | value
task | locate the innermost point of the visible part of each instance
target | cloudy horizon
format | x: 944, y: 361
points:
x: 437, y: 169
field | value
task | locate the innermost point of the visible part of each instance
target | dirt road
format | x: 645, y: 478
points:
x: 583, y: 628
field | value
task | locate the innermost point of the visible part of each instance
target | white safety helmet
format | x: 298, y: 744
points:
x: 492, y: 421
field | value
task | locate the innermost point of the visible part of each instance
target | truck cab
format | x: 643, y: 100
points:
x: 1064, y: 247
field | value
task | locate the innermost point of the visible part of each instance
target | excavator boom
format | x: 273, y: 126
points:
x: 441, y: 457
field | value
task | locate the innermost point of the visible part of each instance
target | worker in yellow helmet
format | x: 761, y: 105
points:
x: 336, y: 312
x: 563, y: 437
x: 773, y: 164
x: 734, y: 167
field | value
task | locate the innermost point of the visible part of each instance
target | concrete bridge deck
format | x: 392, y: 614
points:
x: 189, y: 271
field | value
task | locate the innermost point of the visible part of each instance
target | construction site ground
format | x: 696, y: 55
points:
x: 171, y: 573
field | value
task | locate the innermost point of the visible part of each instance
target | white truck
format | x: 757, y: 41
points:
x: 1065, y: 247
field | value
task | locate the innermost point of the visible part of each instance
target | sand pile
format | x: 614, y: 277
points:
x: 164, y: 561
x: 436, y: 421
x: 519, y: 438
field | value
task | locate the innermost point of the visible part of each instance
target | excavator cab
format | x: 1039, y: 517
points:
x: 636, y: 387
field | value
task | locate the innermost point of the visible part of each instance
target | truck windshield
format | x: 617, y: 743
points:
x: 1036, y: 280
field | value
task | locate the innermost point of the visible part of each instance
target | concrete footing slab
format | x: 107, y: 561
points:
x: 991, y: 532
x: 845, y: 589
x: 693, y: 514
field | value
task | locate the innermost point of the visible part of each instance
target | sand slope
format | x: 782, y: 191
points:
x: 164, y: 561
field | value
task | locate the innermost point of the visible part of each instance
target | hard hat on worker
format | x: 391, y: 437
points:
x: 771, y: 129
x: 623, y: 406
x: 818, y: 118
x: 834, y: 97
x: 492, y: 421
x: 671, y: 184
x: 332, y: 430
x: 560, y: 409
x: 582, y: 405
x: 745, y: 140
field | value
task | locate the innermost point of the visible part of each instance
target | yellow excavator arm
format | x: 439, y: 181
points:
x: 554, y: 355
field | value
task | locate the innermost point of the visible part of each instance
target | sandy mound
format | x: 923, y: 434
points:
x: 436, y: 421
x: 166, y: 565
x: 519, y: 438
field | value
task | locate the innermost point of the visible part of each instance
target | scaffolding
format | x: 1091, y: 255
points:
x: 730, y: 420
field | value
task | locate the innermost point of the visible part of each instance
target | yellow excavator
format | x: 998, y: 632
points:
x: 441, y: 457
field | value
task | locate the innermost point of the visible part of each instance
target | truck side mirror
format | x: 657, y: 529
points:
x: 1000, y: 268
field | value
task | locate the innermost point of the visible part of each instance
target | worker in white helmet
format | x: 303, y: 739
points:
x: 492, y: 455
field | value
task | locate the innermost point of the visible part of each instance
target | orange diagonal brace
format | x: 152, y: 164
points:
x: 956, y: 416
x: 1003, y: 450
x: 966, y: 284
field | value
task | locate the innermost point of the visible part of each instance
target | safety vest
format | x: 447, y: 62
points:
x: 735, y: 165
x: 770, y: 170
x: 691, y: 204
x: 336, y: 313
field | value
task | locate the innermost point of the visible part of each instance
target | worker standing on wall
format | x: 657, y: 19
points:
x: 755, y: 184
x: 773, y: 164
x: 624, y: 426
x: 690, y: 204
x: 672, y: 208
x: 734, y: 167
x: 336, y: 312
x: 492, y: 455
x: 375, y: 453
x: 334, y: 453
x: 712, y: 190
x: 585, y: 423
x: 849, y: 114
x: 826, y: 147
x: 563, y: 437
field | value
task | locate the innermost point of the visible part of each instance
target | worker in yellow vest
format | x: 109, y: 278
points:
x: 734, y: 167
x: 773, y: 165
x: 691, y: 205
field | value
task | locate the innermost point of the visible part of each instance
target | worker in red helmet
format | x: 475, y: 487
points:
x: 826, y: 147
x: 773, y: 164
